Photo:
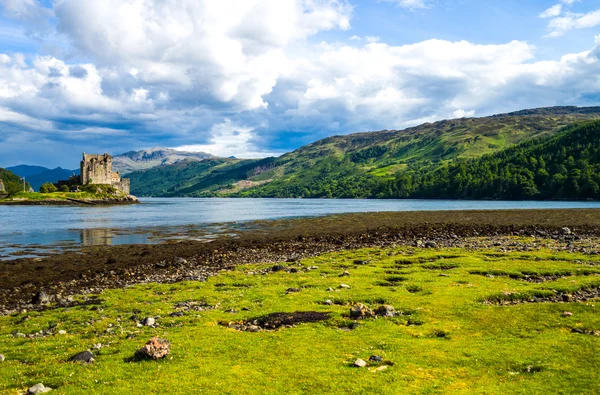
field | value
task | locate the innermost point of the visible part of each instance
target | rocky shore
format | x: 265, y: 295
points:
x: 33, y: 284
x: 70, y: 202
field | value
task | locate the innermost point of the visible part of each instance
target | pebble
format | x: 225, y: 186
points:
x: 345, y: 286
x: 38, y: 389
x: 19, y: 335
x: 567, y: 314
x: 149, y: 321
x: 329, y: 289
x: 346, y: 273
x: 2, y: 358
x: 360, y: 363
x: 375, y: 358
x: 292, y: 290
x: 62, y: 332
x: 328, y: 302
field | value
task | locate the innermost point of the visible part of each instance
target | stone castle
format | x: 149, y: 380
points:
x: 97, y: 169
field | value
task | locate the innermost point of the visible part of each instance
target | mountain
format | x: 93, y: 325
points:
x: 38, y: 175
x: 149, y: 158
x: 357, y: 165
x: 11, y: 183
x: 27, y: 170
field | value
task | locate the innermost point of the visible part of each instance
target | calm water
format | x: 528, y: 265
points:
x: 27, y: 230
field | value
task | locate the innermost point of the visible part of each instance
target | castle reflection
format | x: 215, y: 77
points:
x: 96, y: 237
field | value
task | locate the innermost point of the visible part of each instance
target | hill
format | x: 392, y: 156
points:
x: 149, y: 158
x: 11, y: 183
x: 357, y: 165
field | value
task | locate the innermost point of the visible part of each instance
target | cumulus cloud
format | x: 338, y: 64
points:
x: 553, y: 11
x: 563, y: 20
x: 245, y: 79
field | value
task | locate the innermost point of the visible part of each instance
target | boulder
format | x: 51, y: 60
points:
x: 359, y: 311
x: 360, y: 363
x: 83, y: 357
x: 385, y: 311
x: 149, y: 321
x: 41, y: 297
x: 566, y: 231
x: 38, y: 389
x: 155, y: 348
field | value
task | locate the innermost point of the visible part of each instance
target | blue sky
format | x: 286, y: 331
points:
x: 255, y: 78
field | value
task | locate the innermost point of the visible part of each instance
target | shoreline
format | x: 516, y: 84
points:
x: 71, y: 202
x: 96, y: 268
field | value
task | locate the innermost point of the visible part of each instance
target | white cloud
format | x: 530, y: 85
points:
x: 553, y: 11
x: 410, y: 4
x: 229, y: 139
x: 460, y: 113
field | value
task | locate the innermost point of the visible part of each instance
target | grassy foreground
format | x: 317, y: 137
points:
x: 447, y: 339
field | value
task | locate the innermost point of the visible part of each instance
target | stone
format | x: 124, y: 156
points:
x: 360, y: 363
x: 277, y: 268
x: 38, y: 389
x: 385, y: 311
x: 382, y: 367
x: 430, y: 244
x: 253, y: 328
x: 567, y: 314
x: 149, y: 321
x: 359, y: 311
x: 328, y: 302
x: 292, y: 290
x: 176, y: 314
x: 83, y: 357
x: 345, y: 286
x: 360, y: 262
x: 375, y: 358
x: 155, y: 348
x: 41, y: 297
x: 18, y: 334
x: 345, y: 273
x: 566, y: 231
x: 329, y: 289
x: 2, y: 358
x: 62, y: 332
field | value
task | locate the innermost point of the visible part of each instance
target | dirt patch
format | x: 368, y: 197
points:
x: 278, y: 320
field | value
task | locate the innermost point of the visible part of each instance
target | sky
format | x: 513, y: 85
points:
x: 257, y: 78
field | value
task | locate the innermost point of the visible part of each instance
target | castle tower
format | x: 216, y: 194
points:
x: 97, y: 169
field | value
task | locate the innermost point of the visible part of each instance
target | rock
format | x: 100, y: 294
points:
x: 84, y: 357
x: 345, y: 274
x: 155, y: 348
x: 375, y: 358
x: 18, y: 334
x: 253, y: 328
x: 359, y: 311
x: 328, y: 302
x: 293, y: 270
x: 430, y: 244
x: 2, y: 358
x: 385, y: 311
x: 360, y: 363
x: 382, y: 367
x: 38, y: 389
x: 176, y: 314
x: 329, y: 289
x: 292, y: 290
x: 577, y: 330
x: 180, y: 261
x: 345, y: 286
x: 360, y: 262
x: 62, y: 332
x: 149, y: 321
x: 567, y: 314
x: 567, y: 298
x: 277, y: 268
x: 566, y: 231
x: 42, y: 297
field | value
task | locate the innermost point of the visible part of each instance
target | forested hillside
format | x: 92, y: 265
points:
x: 12, y: 182
x: 373, y: 164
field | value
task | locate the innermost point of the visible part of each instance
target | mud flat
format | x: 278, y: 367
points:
x: 93, y: 269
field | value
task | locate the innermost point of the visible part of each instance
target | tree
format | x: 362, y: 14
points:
x: 48, y: 187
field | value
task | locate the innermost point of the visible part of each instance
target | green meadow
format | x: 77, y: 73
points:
x: 478, y: 321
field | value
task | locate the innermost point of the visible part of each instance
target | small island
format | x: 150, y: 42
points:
x: 96, y: 184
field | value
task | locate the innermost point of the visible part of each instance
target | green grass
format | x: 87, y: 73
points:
x: 37, y: 196
x: 445, y: 341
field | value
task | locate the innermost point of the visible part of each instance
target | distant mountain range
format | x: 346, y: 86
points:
x: 149, y: 158
x: 394, y: 163
x: 38, y: 175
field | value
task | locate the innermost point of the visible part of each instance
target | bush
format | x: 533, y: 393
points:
x: 48, y: 187
x: 64, y: 188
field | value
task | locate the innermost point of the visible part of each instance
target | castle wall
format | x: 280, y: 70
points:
x: 97, y: 169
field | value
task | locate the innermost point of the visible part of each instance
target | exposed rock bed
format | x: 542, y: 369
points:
x: 278, y: 320
x: 57, y: 278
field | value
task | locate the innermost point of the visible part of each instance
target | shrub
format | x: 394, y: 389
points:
x: 64, y: 188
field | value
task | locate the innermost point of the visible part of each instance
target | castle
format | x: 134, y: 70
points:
x: 97, y: 169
